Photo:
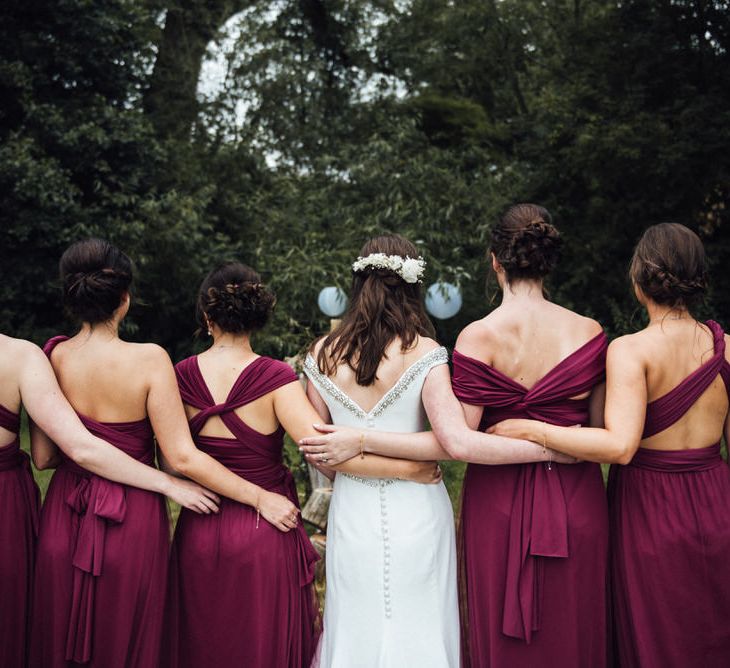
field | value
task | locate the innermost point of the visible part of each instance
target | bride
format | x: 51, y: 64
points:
x: 391, y: 598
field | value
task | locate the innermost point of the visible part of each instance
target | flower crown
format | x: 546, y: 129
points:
x: 408, y: 268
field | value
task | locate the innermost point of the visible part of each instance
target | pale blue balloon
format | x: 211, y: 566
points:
x: 443, y: 300
x: 332, y: 301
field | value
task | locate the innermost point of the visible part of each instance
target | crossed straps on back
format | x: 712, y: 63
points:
x: 260, y: 377
x: 9, y: 420
x: 663, y: 412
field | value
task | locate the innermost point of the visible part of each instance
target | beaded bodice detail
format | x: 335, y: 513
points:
x: 400, y: 409
x: 416, y: 370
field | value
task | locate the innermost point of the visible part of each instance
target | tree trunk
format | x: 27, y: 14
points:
x: 171, y: 99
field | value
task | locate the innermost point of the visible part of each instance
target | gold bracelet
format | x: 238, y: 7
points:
x: 362, y: 445
x: 258, y: 509
x: 545, y: 450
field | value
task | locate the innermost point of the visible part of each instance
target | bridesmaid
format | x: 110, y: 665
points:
x: 28, y: 380
x: 534, y: 537
x: 667, y: 399
x: 103, y: 546
x: 241, y: 590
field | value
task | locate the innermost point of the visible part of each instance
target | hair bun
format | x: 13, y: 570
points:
x: 234, y: 298
x: 526, y: 243
x: 669, y: 265
x: 95, y: 275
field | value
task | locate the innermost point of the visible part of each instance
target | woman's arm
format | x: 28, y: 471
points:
x: 297, y: 415
x: 461, y: 439
x: 170, y: 425
x: 625, y: 411
x: 54, y: 421
x: 450, y: 428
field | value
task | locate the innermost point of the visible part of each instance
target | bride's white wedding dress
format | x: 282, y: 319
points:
x: 391, y: 598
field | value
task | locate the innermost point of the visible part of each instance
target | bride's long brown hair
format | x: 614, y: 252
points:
x: 382, y: 307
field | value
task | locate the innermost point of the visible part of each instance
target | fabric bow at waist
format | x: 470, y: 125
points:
x: 97, y: 501
x: 538, y: 528
x: 12, y: 457
x: 677, y: 461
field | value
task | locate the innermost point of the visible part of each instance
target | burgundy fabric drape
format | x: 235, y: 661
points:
x: 241, y: 595
x: 101, y: 562
x: 670, y: 541
x: 534, y: 537
x: 20, y: 503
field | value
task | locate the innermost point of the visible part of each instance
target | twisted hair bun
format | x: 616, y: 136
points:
x: 525, y: 242
x: 233, y: 297
x: 95, y: 275
x: 669, y: 265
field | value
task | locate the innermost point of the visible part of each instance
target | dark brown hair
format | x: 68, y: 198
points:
x: 382, y: 307
x: 669, y: 265
x: 525, y: 242
x: 95, y: 275
x: 233, y: 297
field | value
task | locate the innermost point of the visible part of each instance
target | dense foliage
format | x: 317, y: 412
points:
x: 339, y: 119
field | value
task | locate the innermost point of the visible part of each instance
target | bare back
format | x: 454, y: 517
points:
x: 104, y: 379
x: 670, y: 352
x: 220, y: 370
x: 392, y: 366
x: 527, y: 340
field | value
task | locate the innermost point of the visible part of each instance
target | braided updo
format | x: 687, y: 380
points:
x: 525, y: 242
x: 95, y: 275
x: 233, y: 297
x: 669, y: 265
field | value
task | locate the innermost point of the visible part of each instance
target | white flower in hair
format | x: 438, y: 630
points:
x: 409, y: 269
x: 412, y: 269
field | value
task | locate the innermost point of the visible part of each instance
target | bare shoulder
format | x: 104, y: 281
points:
x: 149, y: 355
x: 580, y: 325
x: 425, y: 345
x: 629, y: 348
x: 316, y: 346
x: 478, y: 337
x: 727, y: 347
x: 17, y: 352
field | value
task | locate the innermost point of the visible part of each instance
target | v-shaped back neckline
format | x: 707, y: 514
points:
x: 545, y: 377
x: 403, y: 380
x: 241, y: 375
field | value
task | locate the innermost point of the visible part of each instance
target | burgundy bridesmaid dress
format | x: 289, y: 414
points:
x: 20, y: 504
x: 241, y: 592
x: 534, y: 537
x: 670, y: 541
x: 101, y: 564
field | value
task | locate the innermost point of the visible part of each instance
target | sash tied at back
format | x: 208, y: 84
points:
x: 250, y: 454
x: 539, y: 517
x: 98, y: 502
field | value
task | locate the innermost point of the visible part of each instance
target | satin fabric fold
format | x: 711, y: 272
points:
x: 538, y: 525
x: 202, y: 579
x: 20, y: 502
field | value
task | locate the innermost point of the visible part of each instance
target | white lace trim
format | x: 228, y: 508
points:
x: 429, y: 360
